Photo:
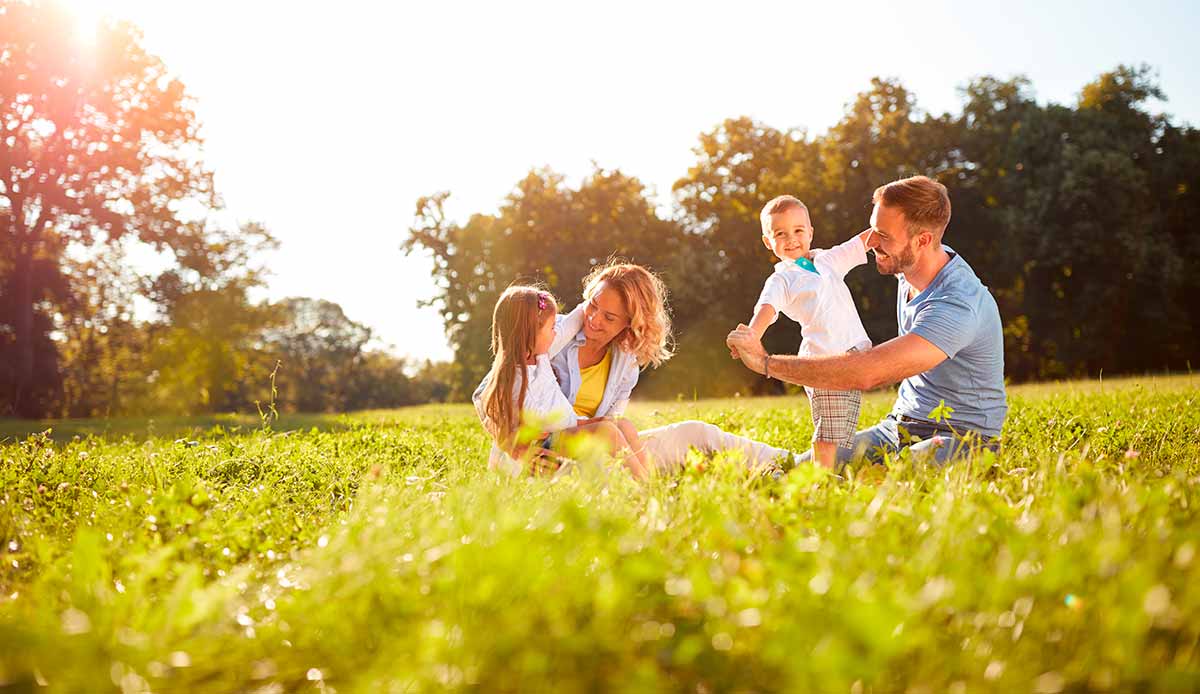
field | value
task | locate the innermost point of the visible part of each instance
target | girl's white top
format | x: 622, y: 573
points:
x: 545, y: 405
x: 820, y: 302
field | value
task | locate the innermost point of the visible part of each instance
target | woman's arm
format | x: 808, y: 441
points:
x: 621, y: 399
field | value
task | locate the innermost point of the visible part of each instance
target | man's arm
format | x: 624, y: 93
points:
x: 890, y: 362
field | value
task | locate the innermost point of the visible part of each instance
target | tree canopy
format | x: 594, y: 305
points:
x: 1080, y: 218
x: 100, y: 142
x: 100, y: 154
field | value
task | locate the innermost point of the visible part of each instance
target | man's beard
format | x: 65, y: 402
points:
x: 895, y: 264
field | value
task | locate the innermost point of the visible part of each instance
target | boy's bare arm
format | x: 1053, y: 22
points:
x: 763, y: 317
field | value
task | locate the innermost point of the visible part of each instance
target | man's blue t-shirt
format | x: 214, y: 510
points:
x: 959, y: 316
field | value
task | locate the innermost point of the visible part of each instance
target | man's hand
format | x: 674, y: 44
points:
x: 745, y: 345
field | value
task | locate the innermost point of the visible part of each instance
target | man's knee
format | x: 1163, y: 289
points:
x: 941, y: 449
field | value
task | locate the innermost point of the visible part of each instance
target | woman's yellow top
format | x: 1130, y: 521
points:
x: 591, y: 386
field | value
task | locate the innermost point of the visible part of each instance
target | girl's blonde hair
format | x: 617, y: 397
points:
x: 520, y: 312
x: 648, y: 336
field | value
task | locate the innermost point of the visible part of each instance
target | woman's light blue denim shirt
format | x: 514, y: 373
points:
x: 622, y: 375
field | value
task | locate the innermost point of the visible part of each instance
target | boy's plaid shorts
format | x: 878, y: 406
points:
x: 834, y: 415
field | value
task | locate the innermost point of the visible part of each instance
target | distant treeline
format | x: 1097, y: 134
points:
x: 1082, y: 219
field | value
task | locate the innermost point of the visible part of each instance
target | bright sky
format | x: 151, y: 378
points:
x: 326, y: 121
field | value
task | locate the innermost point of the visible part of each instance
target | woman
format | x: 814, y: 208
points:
x: 626, y: 328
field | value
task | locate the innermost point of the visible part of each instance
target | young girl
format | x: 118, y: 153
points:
x: 520, y: 390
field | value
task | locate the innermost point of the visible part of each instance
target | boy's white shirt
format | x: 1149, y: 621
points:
x: 544, y: 403
x: 820, y: 302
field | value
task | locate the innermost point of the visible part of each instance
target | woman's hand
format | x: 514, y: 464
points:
x: 544, y: 462
x: 591, y: 420
x: 541, y: 461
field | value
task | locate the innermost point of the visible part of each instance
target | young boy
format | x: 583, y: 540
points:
x: 809, y: 288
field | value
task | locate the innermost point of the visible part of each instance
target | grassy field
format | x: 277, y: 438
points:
x: 374, y: 552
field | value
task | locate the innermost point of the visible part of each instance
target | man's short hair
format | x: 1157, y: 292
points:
x: 924, y: 202
x: 776, y: 205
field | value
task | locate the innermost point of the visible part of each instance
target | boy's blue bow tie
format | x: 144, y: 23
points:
x: 807, y: 264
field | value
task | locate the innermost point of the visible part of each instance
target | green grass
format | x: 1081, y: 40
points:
x: 375, y: 552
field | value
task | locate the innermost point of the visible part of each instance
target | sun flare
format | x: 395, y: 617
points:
x: 89, y: 14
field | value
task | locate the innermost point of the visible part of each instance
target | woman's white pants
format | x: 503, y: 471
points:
x: 669, y: 445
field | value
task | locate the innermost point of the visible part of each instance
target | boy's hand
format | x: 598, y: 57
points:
x: 748, y: 347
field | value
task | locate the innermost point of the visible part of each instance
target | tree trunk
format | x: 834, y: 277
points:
x: 23, y: 404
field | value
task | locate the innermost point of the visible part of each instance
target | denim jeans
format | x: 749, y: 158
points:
x: 927, y: 441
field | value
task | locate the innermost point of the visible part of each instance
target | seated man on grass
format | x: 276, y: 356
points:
x: 950, y: 348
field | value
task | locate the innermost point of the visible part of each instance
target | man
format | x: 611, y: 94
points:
x: 950, y: 346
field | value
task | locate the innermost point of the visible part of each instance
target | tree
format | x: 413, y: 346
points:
x: 740, y: 165
x: 382, y: 380
x: 102, y: 347
x: 206, y: 354
x: 1080, y: 218
x: 320, y: 350
x: 99, y: 143
x: 545, y: 232
x: 1085, y: 208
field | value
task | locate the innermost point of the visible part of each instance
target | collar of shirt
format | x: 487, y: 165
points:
x: 791, y: 266
x: 948, y: 269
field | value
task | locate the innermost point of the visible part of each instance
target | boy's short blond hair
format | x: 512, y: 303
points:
x: 776, y: 205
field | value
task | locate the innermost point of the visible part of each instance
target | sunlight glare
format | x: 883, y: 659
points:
x: 89, y: 14
x: 86, y: 17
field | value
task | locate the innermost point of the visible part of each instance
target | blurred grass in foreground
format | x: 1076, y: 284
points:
x: 375, y: 552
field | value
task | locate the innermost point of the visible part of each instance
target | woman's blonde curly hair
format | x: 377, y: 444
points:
x: 648, y: 337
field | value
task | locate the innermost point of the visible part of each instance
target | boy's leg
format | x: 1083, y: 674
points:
x: 834, y: 416
x: 825, y: 454
x: 870, y: 444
